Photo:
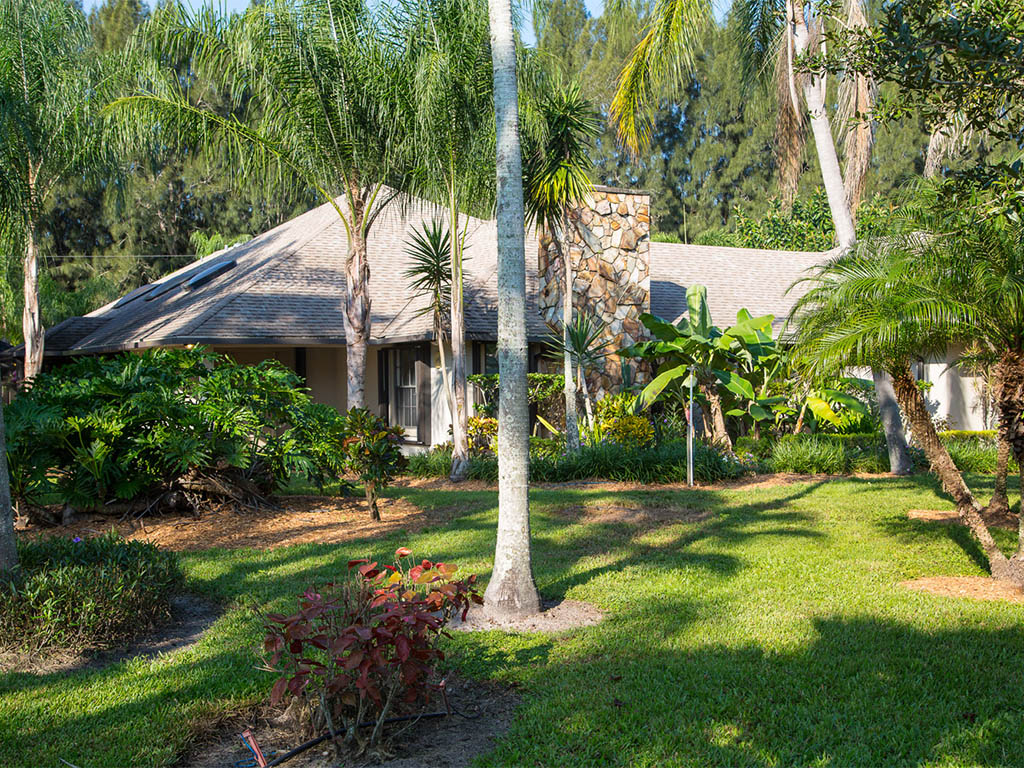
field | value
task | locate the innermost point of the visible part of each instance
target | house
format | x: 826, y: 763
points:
x: 280, y: 296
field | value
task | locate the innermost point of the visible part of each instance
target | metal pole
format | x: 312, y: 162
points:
x: 689, y: 435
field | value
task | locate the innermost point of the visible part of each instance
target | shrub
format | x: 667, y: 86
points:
x: 366, y: 644
x: 373, y: 453
x: 168, y: 426
x: 628, y: 431
x: 830, y: 454
x: 73, y: 593
x: 483, y: 435
x: 665, y: 463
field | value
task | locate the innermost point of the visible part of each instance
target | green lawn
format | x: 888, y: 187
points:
x: 772, y: 634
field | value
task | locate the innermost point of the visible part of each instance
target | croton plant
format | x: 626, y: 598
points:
x: 358, y: 648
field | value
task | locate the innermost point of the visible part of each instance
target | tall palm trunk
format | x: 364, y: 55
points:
x: 838, y: 203
x: 446, y: 383
x: 460, y: 418
x: 572, y: 427
x: 357, y: 300
x: 511, y: 591
x: 912, y: 402
x: 8, y: 550
x: 1009, y: 397
x: 31, y: 318
x: 828, y: 159
x: 889, y: 411
x: 999, y: 504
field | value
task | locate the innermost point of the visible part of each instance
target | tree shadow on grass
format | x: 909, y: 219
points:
x: 860, y: 692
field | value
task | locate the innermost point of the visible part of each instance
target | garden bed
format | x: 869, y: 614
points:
x: 452, y: 741
x: 297, y: 520
x: 190, y: 617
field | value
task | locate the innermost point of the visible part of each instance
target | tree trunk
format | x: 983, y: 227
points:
x: 912, y: 402
x: 371, y: 500
x: 587, y: 406
x: 835, y: 189
x: 719, y: 434
x: 889, y: 411
x: 460, y: 418
x: 938, y: 144
x: 511, y: 591
x: 1008, y: 391
x: 357, y: 301
x: 860, y: 135
x: 445, y: 379
x: 31, y: 320
x: 999, y: 505
x: 572, y: 427
x: 8, y: 550
x: 824, y: 143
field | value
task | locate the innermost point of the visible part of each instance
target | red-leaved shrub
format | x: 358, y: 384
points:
x: 358, y: 647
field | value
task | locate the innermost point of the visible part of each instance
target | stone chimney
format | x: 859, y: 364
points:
x: 610, y: 256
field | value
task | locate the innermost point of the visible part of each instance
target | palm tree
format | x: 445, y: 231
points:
x: 446, y: 48
x: 790, y: 29
x: 511, y: 590
x: 557, y: 180
x: 51, y: 91
x: 431, y: 276
x: 325, y: 95
x: 884, y: 306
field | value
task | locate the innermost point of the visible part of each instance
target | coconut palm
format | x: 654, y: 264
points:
x: 511, y: 590
x: 325, y: 98
x: 51, y: 92
x: 445, y: 47
x: 884, y: 306
x: 557, y: 181
x: 429, y: 252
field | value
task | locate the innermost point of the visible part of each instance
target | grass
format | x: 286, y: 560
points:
x: 772, y: 633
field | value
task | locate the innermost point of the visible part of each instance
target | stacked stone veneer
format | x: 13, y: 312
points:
x: 609, y: 248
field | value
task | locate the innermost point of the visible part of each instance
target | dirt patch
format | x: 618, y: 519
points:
x: 950, y: 517
x: 452, y: 741
x: 972, y: 587
x: 555, y: 616
x: 297, y: 520
x: 632, y: 513
x: 190, y: 617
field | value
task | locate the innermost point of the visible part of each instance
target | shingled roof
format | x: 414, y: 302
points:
x: 736, y: 278
x: 287, y: 285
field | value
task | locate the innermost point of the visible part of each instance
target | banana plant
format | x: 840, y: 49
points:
x: 695, y: 352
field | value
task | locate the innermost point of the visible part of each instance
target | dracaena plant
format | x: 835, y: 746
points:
x: 357, y: 650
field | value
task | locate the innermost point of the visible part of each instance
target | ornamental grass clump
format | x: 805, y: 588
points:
x: 359, y: 650
x: 73, y: 593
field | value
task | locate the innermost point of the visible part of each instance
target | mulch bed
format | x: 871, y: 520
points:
x: 950, y: 517
x: 452, y: 741
x: 556, y: 616
x: 297, y: 520
x: 971, y: 587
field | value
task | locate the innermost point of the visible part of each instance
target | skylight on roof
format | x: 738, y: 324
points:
x: 208, y: 274
x: 163, y: 288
